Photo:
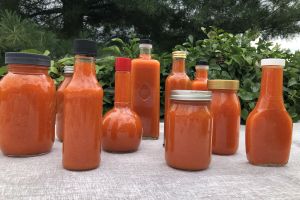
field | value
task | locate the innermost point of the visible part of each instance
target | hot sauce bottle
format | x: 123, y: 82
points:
x: 68, y: 73
x: 269, y: 126
x: 177, y: 80
x: 145, y: 88
x: 82, y: 111
x: 201, y: 76
x: 122, y: 128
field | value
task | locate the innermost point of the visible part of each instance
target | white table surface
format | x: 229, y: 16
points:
x: 145, y: 175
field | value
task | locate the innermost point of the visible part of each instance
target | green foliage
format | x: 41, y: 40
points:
x: 235, y: 57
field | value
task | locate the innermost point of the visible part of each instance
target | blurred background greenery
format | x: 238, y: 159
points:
x: 233, y: 50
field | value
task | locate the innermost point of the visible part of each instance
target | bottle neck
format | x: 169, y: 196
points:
x: 201, y: 74
x: 84, y: 66
x: 271, y: 94
x: 145, y: 53
x: 27, y: 69
x: 178, y: 65
x: 272, y: 82
x: 122, y: 89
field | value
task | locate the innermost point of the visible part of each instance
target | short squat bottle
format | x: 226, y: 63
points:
x: 269, y: 126
x: 68, y: 73
x: 82, y: 111
x: 201, y: 76
x: 27, y: 106
x: 122, y: 128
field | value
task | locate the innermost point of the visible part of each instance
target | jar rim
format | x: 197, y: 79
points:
x: 219, y: 84
x: 191, y: 95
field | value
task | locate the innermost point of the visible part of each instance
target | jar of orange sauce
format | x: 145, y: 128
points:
x: 226, y: 112
x: 188, y: 141
x: 27, y: 105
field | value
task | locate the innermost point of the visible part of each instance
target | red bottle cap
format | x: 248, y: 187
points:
x: 123, y: 64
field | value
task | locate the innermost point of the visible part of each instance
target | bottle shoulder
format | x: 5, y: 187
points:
x: 121, y: 115
x: 266, y: 116
x: 138, y: 61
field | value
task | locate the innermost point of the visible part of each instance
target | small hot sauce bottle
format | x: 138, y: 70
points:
x: 122, y: 128
x: 201, y: 76
x: 68, y: 73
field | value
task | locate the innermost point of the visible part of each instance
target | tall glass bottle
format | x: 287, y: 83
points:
x: 68, y: 73
x: 177, y: 80
x: 122, y: 128
x: 269, y: 126
x: 201, y: 76
x: 82, y: 111
x: 145, y: 88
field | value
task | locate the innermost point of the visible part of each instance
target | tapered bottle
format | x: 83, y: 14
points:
x: 269, y: 126
x: 177, y: 80
x: 145, y: 89
x: 122, y: 127
x: 82, y: 111
x: 201, y: 76
x: 68, y: 74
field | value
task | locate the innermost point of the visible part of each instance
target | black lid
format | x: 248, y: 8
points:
x: 145, y: 41
x: 202, y: 62
x: 27, y: 59
x: 85, y: 47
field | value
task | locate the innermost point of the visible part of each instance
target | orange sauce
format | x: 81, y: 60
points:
x: 177, y: 80
x: 145, y: 89
x: 27, y: 111
x: 226, y: 111
x: 122, y: 128
x: 269, y: 126
x: 188, y: 141
x: 82, y: 117
x: 59, y: 106
x: 201, y: 77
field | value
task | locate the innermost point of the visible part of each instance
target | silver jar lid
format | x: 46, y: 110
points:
x: 190, y: 95
x: 68, y: 69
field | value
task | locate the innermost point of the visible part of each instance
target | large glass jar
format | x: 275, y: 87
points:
x: 27, y: 106
x: 188, y: 140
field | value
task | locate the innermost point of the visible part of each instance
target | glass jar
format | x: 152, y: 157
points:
x: 27, y: 106
x: 226, y: 112
x: 188, y: 141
